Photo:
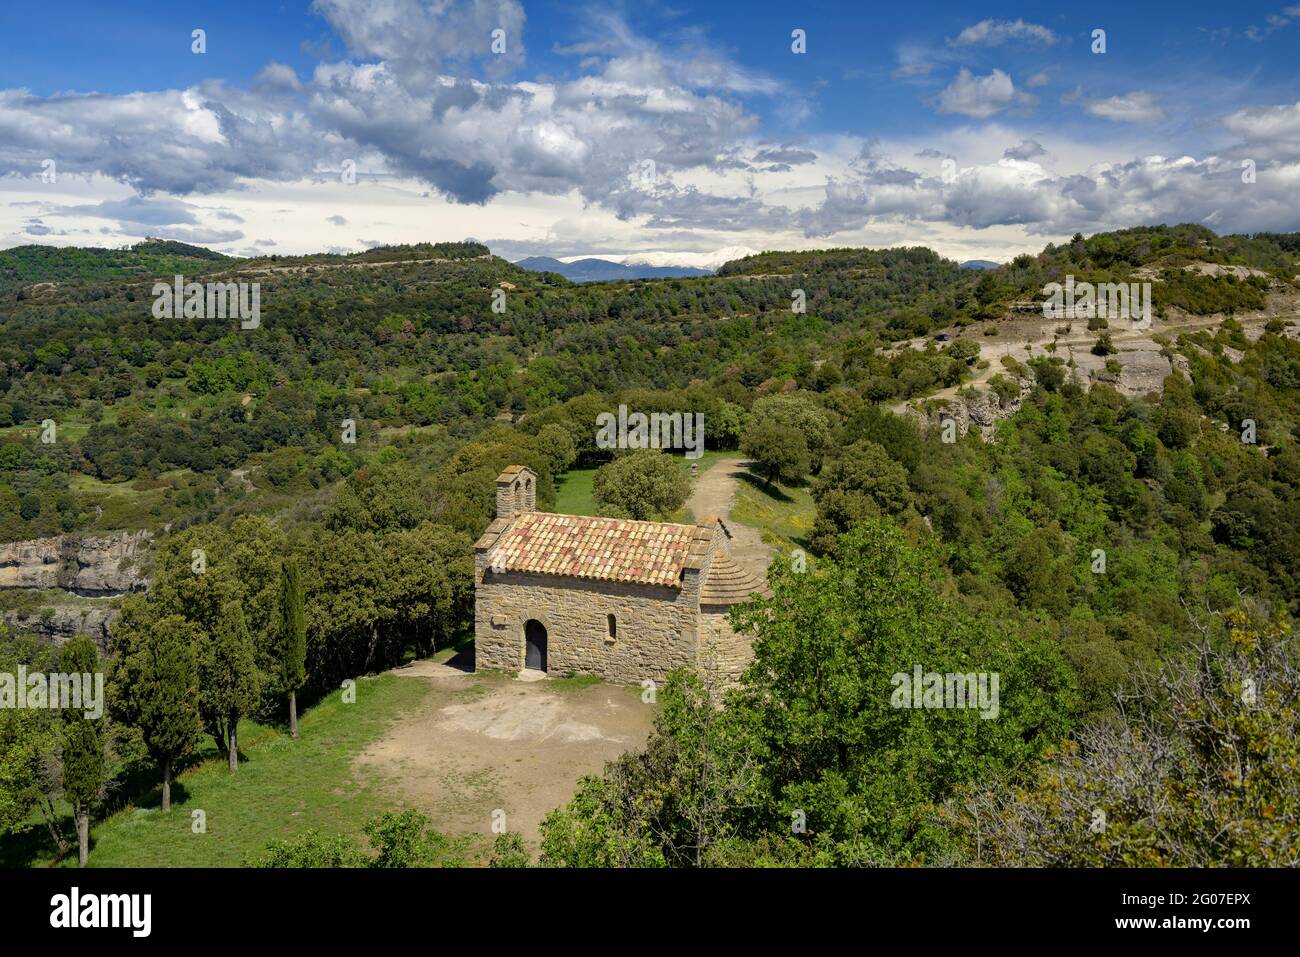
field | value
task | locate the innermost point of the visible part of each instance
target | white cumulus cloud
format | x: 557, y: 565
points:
x: 982, y: 96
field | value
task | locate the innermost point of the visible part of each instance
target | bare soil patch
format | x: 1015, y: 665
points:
x: 483, y: 742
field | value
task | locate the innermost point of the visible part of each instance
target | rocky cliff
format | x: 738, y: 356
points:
x: 979, y: 409
x: 94, y: 566
x: 59, y: 622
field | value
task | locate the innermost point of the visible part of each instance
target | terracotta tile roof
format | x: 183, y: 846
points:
x: 728, y: 583
x: 606, y: 549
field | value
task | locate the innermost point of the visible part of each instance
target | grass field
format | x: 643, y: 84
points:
x: 573, y: 494
x: 282, y: 788
x: 782, y: 514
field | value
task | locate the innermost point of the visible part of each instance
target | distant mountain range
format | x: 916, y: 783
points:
x: 602, y: 270
x: 660, y: 265
x: 711, y: 261
x: 642, y: 265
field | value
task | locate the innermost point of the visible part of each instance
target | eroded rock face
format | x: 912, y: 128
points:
x: 31, y: 564
x: 982, y: 411
x: 59, y: 623
x: 1142, y: 370
x: 87, y: 565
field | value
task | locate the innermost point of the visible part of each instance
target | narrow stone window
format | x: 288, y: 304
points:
x: 612, y: 623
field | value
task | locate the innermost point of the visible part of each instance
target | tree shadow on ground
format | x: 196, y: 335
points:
x: 461, y: 653
x: 763, y: 485
x: 463, y: 659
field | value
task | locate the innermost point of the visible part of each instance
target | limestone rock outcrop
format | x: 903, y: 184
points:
x: 58, y: 623
x: 87, y: 565
x: 982, y: 410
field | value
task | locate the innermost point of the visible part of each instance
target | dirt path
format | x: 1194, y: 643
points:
x: 487, y: 743
x: 714, y: 494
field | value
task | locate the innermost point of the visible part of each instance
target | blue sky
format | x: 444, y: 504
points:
x: 981, y: 130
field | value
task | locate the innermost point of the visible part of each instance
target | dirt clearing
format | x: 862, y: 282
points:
x: 483, y: 742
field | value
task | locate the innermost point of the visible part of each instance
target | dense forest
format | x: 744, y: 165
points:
x: 1124, y: 562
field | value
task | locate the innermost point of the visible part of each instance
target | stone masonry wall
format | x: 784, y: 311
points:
x: 656, y: 626
x: 728, y: 653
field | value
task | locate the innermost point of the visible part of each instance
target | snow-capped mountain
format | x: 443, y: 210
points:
x: 710, y: 261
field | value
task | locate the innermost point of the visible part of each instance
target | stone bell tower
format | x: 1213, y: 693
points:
x: 516, y: 491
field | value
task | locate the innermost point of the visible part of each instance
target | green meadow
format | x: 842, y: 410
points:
x: 283, y: 787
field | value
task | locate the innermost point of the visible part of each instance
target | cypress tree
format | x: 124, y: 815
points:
x: 293, y: 640
x: 83, y: 745
x: 229, y: 677
x: 161, y: 691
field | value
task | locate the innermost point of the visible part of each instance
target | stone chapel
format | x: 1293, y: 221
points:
x: 626, y: 600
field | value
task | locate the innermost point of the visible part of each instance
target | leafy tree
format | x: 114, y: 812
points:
x: 1005, y: 388
x: 428, y: 588
x: 796, y: 414
x: 778, y: 454
x: 818, y: 706
x: 898, y: 436
x: 311, y: 849
x: 26, y: 745
x: 380, y: 498
x: 674, y: 803
x: 1177, y: 427
x: 1104, y: 346
x: 408, y: 840
x: 508, y: 851
x: 603, y: 825
x: 29, y: 743
x: 861, y: 484
x: 1049, y: 372
x: 643, y: 484
x: 965, y: 351
x: 557, y: 445
x: 811, y: 760
x: 725, y: 425
x: 1197, y: 772
x: 1038, y: 571
x: 241, y: 564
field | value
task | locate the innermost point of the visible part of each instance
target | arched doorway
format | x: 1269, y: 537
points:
x: 535, y: 645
